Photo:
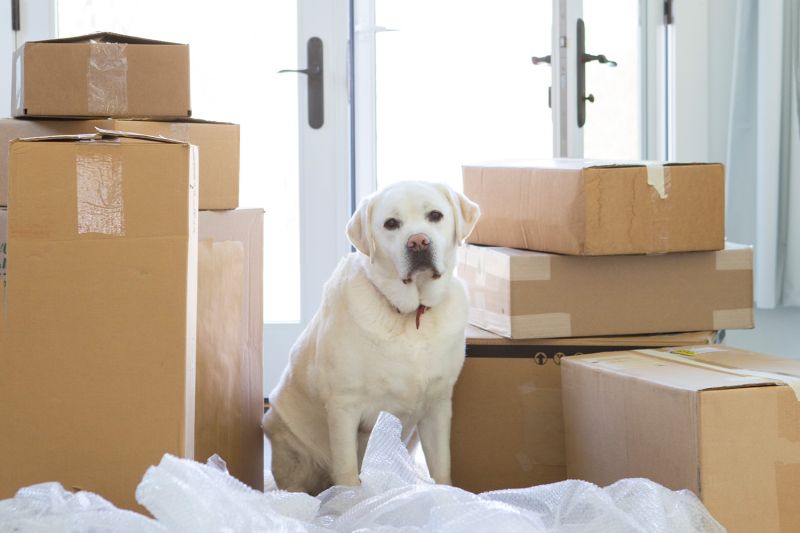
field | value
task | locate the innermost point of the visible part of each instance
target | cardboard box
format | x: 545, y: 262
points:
x: 524, y: 294
x: 230, y: 328
x: 508, y: 428
x: 709, y: 419
x: 228, y: 397
x: 99, y: 340
x: 217, y: 142
x: 584, y: 207
x: 101, y: 75
x: 3, y: 245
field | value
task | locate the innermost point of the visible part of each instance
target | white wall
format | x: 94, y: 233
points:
x: 6, y: 50
x: 774, y: 332
x: 721, y: 22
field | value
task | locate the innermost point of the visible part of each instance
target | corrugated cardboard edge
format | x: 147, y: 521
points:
x: 544, y: 325
x: 733, y: 318
x: 735, y: 257
x: 99, y: 136
x: 497, y: 262
x: 104, y: 37
x: 191, y: 303
x: 494, y: 322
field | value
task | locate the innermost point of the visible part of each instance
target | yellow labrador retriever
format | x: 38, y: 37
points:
x: 388, y: 336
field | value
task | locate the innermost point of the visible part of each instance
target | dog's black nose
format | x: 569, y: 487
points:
x: 418, y: 242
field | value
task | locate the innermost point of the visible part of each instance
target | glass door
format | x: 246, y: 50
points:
x: 614, y: 127
x: 441, y: 84
x: 455, y: 84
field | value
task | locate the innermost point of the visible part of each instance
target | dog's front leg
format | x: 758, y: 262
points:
x: 343, y: 431
x: 434, y: 432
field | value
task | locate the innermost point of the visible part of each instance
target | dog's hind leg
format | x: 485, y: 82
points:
x: 293, y: 467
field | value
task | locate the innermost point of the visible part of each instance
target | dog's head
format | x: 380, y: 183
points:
x: 413, y: 228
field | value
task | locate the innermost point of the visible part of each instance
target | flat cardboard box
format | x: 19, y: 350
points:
x: 230, y: 327
x: 101, y: 75
x: 586, y: 207
x: 508, y: 428
x: 99, y: 339
x: 723, y: 430
x: 217, y: 143
x: 524, y: 294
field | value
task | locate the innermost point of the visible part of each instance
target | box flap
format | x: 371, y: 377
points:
x: 101, y: 135
x: 179, y: 120
x: 104, y: 37
x: 698, y: 368
x: 476, y: 335
x: 575, y: 164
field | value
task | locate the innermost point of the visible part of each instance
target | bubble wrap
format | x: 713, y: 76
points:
x: 49, y: 508
x: 394, y: 496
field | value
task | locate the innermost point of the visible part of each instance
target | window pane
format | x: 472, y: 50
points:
x: 236, y: 49
x: 613, y: 120
x: 456, y: 85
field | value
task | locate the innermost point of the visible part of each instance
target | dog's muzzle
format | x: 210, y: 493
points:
x: 419, y: 256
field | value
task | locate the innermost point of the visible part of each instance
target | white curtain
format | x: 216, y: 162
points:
x: 763, y: 160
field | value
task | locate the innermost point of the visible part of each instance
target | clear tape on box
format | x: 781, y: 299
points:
x: 394, y: 495
x: 107, y: 79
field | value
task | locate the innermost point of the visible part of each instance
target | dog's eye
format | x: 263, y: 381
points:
x: 391, y: 223
x: 435, y: 216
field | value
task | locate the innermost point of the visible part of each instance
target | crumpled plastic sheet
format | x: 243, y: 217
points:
x: 394, y: 496
x: 48, y: 508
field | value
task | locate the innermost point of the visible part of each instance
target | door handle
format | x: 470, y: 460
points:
x: 315, y: 87
x: 584, y: 58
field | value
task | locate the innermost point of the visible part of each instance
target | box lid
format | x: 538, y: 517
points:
x: 104, y: 37
x: 514, y: 264
x: 101, y: 135
x: 576, y: 164
x: 699, y: 368
x: 476, y: 335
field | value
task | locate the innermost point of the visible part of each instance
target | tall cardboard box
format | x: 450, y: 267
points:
x: 98, y: 348
x: 217, y: 143
x: 524, y: 294
x: 3, y: 245
x: 585, y: 207
x: 716, y: 420
x: 508, y: 427
x: 101, y: 75
x: 230, y: 327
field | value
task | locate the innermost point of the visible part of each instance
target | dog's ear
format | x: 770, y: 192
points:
x: 359, y: 229
x: 466, y: 212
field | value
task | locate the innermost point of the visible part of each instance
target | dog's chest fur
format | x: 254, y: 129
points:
x: 403, y: 368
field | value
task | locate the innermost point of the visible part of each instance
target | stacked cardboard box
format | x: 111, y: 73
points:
x: 567, y: 253
x: 719, y: 421
x: 131, y: 314
x: 508, y: 424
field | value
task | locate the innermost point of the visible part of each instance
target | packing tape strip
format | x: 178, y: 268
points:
x: 179, y: 131
x: 657, y: 179
x: 99, y: 194
x: 791, y: 381
x: 107, y: 79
